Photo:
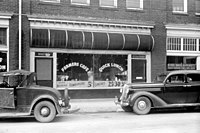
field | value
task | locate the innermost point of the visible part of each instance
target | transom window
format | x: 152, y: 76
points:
x: 180, y: 6
x: 3, y: 36
x: 108, y: 3
x: 134, y: 4
x: 80, y: 2
x: 182, y: 44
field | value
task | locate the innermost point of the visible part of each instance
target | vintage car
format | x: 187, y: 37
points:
x: 176, y: 89
x: 21, y: 96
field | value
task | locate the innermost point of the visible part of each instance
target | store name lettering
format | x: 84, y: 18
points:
x: 73, y: 64
x: 111, y: 65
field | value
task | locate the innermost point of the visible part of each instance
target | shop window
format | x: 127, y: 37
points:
x: 3, y: 61
x: 57, y: 38
x: 134, y: 4
x: 3, y: 36
x: 40, y: 38
x: 80, y: 2
x: 108, y: 3
x: 197, y: 4
x: 181, y: 63
x: 179, y: 6
x: 88, y: 70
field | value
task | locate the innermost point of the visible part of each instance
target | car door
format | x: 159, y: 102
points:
x: 7, y: 98
x: 193, y: 87
x: 175, y: 90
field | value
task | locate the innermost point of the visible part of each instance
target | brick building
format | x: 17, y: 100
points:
x: 93, y: 47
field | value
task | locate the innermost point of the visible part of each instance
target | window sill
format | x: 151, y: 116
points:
x: 49, y: 3
x: 179, y: 13
x: 134, y: 10
x: 80, y: 5
x: 197, y: 14
x: 108, y: 8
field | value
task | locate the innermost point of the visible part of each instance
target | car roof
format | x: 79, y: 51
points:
x: 15, y: 73
x: 184, y: 72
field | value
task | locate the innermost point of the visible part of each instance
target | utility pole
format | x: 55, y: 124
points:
x: 20, y: 33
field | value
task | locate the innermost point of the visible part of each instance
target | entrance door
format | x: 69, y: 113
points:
x: 7, y: 98
x: 44, y: 70
x: 138, y: 70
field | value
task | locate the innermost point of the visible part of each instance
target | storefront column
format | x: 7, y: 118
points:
x: 198, y: 63
x: 129, y: 68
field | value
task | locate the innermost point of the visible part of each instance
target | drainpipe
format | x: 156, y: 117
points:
x: 20, y: 33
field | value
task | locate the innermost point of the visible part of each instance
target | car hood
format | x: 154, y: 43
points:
x: 46, y: 88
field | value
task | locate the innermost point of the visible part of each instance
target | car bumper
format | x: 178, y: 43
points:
x: 69, y: 110
x: 120, y: 102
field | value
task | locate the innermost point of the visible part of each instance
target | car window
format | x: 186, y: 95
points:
x: 179, y: 78
x: 193, y: 78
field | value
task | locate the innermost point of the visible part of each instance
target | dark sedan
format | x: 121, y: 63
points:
x: 176, y: 89
x: 21, y: 96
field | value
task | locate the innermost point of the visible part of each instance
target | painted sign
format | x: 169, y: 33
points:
x: 111, y: 65
x: 181, y: 66
x: 73, y: 64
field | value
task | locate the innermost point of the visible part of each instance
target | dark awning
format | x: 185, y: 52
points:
x: 91, y: 40
x: 109, y: 41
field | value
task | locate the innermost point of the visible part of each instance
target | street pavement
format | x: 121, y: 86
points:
x: 95, y: 105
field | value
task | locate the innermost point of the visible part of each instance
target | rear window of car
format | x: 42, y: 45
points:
x: 193, y: 77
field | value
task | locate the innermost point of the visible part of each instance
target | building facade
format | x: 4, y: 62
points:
x: 94, y: 47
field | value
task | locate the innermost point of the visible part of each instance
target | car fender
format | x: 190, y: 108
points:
x: 155, y: 100
x: 46, y: 97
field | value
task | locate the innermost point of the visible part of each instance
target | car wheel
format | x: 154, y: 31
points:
x: 127, y: 108
x: 142, y: 106
x: 44, y: 111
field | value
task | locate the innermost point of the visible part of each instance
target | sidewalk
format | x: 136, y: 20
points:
x: 95, y: 105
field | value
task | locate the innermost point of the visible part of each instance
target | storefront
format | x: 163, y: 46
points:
x: 4, y: 42
x: 90, y: 56
x: 183, y: 47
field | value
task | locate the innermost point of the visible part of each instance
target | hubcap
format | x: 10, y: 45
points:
x: 45, y: 111
x: 142, y: 105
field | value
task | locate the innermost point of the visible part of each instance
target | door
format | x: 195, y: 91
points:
x: 7, y: 98
x: 138, y: 70
x: 44, y: 70
x: 175, y: 90
x: 193, y: 85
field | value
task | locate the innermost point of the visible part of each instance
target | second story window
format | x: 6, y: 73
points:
x: 134, y: 4
x: 179, y: 6
x: 108, y: 3
x: 197, y: 4
x: 80, y: 2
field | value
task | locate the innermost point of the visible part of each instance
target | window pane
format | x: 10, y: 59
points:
x: 81, y: 2
x: 3, y: 36
x: 134, y: 3
x: 88, y: 70
x: 110, y: 70
x: 109, y: 3
x: 57, y: 38
x: 181, y: 62
x: 178, y: 5
x: 193, y: 77
x: 3, y: 61
x: 39, y: 38
x: 197, y: 6
x: 74, y: 70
